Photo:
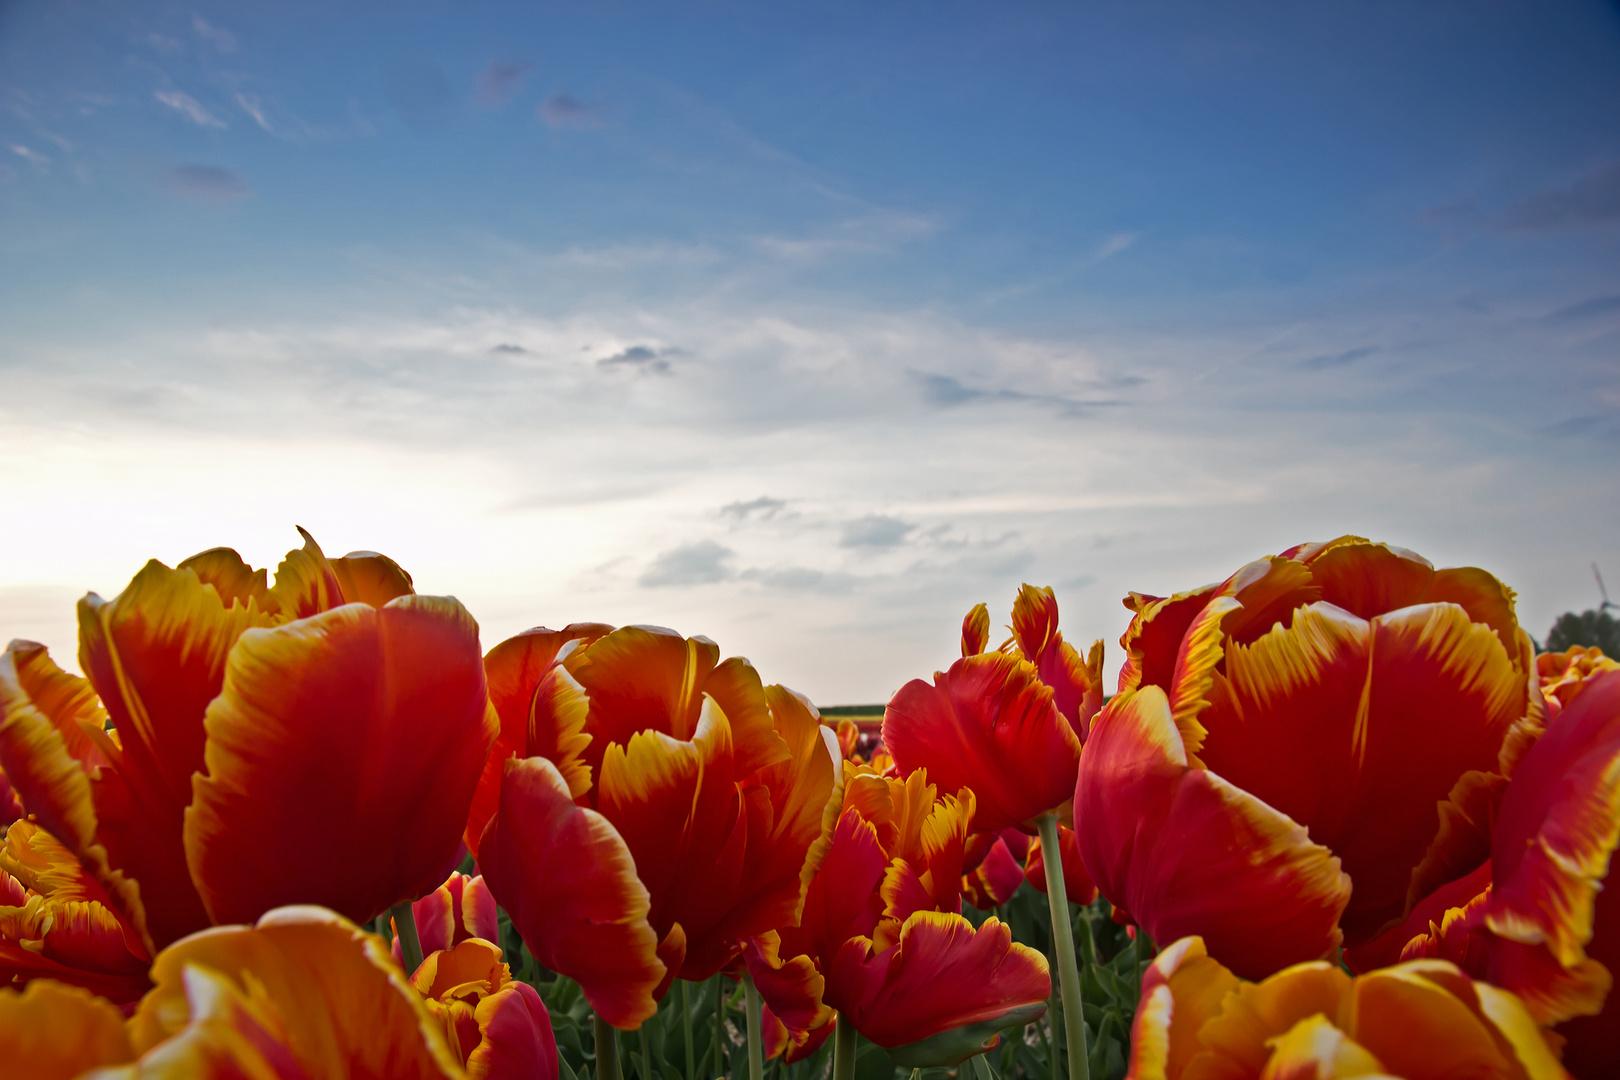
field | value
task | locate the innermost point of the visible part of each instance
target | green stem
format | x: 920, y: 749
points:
x: 607, y: 1050
x: 718, y: 1061
x: 410, y: 945
x: 1074, y: 1025
x: 646, y: 1055
x: 756, y: 1033
x: 686, y: 1017
x: 843, y: 1050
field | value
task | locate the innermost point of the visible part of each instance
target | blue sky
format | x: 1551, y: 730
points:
x: 807, y: 326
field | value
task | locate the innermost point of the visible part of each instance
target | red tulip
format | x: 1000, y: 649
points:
x: 1077, y: 883
x: 1537, y: 918
x: 497, y: 1028
x: 178, y: 817
x: 881, y: 941
x: 703, y: 791
x: 460, y: 909
x: 1345, y: 688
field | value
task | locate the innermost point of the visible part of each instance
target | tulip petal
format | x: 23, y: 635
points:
x: 366, y: 577
x: 1313, y: 1049
x: 365, y: 728
x: 943, y: 977
x: 566, y: 878
x: 792, y: 987
x: 235, y: 581
x: 517, y: 1043
x: 305, y: 582
x: 1076, y: 684
x: 1236, y: 1038
x: 1184, y: 851
x: 55, y: 1032
x: 988, y: 724
x: 995, y: 879
x: 1182, y: 990
x: 304, y: 988
x: 975, y: 630
x: 1418, y: 1026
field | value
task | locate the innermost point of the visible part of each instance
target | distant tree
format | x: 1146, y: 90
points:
x: 1586, y: 628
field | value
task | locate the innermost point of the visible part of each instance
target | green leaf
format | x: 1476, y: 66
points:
x: 958, y: 1044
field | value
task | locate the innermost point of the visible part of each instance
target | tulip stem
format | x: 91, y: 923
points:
x: 718, y: 1062
x: 646, y: 1055
x: 756, y: 1034
x: 843, y: 1049
x: 686, y: 1018
x: 607, y: 1049
x: 410, y: 945
x: 1074, y: 1024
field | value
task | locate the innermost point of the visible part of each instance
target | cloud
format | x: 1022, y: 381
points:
x: 640, y: 358
x: 1113, y: 246
x: 875, y: 531
x: 766, y: 506
x: 208, y: 183
x: 702, y: 563
x: 163, y: 44
x: 1592, y: 199
x: 189, y: 107
x: 250, y: 105
x: 1586, y: 309
x: 221, y: 39
x: 497, y: 82
x: 508, y: 347
x: 1339, y: 359
x: 799, y: 579
x: 33, y: 157
x: 560, y: 110
x: 944, y: 389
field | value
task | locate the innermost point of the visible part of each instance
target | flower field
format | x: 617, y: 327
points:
x: 1337, y: 819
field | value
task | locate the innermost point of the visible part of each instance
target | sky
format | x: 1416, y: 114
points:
x: 807, y: 326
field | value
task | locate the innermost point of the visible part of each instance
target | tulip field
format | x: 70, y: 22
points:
x: 1338, y: 818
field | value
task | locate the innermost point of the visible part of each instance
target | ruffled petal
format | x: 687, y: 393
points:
x: 942, y: 992
x: 791, y: 987
x: 1184, y: 851
x: 304, y: 992
x: 975, y: 630
x: 995, y: 879
x: 55, y: 1032
x: 566, y: 878
x: 1076, y: 684
x: 1553, y: 851
x: 987, y: 724
x: 342, y: 755
x: 1183, y: 992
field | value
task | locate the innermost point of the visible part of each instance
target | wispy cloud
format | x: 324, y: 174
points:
x: 765, y: 506
x: 188, y: 107
x: 251, y: 105
x: 1590, y: 199
x: 1594, y: 308
x: 218, y: 37
x: 702, y: 563
x: 33, y: 157
x: 207, y: 183
x: 875, y: 531
x: 1337, y: 359
x: 563, y: 111
x: 499, y: 80
x: 640, y: 358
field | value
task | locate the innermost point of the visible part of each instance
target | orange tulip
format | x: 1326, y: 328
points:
x: 1537, y: 919
x: 185, y: 808
x: 303, y: 994
x: 1422, y: 1019
x: 1345, y: 688
x: 11, y: 807
x: 499, y: 1029
x: 698, y: 793
x: 57, y: 922
x: 881, y: 940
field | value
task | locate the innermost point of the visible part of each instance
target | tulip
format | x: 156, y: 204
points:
x: 499, y: 1029
x: 1077, y: 884
x: 57, y: 922
x: 1422, y: 1019
x: 994, y: 724
x: 881, y: 940
x: 658, y: 814
x: 1347, y: 689
x: 460, y: 909
x: 1537, y: 919
x: 187, y: 812
x: 996, y: 877
x: 303, y: 993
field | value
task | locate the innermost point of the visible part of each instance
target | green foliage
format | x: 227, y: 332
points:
x: 1110, y: 962
x: 1587, y: 628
